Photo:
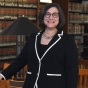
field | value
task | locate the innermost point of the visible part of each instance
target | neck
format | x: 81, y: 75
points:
x: 48, y: 34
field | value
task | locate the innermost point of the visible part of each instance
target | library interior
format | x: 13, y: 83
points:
x: 12, y: 41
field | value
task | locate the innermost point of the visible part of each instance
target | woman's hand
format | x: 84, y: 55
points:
x: 0, y: 77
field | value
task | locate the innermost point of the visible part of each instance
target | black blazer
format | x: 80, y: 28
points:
x: 57, y: 68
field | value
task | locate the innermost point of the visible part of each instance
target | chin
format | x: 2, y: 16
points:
x: 51, y: 27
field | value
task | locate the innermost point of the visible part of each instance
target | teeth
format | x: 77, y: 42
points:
x: 50, y: 22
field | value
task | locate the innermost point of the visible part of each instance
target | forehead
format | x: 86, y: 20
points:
x: 52, y: 9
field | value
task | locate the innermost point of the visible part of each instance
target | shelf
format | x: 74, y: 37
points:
x: 75, y: 34
x: 14, y: 18
x: 79, y: 46
x: 76, y: 1
x: 31, y: 6
x: 7, y: 44
x: 85, y: 47
x: 78, y: 11
x: 85, y: 34
x: 10, y: 57
x: 78, y: 22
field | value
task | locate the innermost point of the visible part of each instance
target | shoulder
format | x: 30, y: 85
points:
x: 68, y: 36
x: 32, y: 36
x: 68, y: 39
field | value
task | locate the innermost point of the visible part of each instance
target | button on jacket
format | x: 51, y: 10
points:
x: 56, y: 68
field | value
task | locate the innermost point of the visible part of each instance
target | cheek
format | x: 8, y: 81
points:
x: 45, y: 20
x: 57, y: 22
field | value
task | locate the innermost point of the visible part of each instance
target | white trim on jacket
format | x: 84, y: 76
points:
x: 40, y: 59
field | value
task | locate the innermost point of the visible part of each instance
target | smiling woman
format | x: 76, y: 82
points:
x: 51, y: 18
x: 51, y: 55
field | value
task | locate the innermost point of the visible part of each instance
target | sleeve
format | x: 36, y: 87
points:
x: 3, y: 77
x: 17, y: 63
x: 71, y: 64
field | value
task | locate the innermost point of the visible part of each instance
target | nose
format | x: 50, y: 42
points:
x: 51, y: 17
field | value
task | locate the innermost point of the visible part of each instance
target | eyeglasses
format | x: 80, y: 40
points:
x: 47, y: 15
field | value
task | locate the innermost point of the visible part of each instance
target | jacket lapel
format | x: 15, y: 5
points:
x: 51, y: 44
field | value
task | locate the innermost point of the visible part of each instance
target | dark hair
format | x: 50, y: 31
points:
x: 61, y: 15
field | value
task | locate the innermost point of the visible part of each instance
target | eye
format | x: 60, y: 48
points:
x: 55, y: 15
x: 47, y: 14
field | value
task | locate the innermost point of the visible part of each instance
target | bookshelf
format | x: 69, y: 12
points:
x: 78, y: 21
x: 76, y: 13
x: 12, y: 9
x: 10, y: 47
x: 7, y: 49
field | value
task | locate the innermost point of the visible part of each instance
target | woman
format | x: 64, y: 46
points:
x: 51, y: 55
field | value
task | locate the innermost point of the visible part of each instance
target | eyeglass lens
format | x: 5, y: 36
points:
x: 55, y: 15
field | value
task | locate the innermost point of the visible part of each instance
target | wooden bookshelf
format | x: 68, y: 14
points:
x: 7, y: 47
x: 78, y: 18
x: 76, y: 14
x: 12, y: 9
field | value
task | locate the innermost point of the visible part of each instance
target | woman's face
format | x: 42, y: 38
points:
x: 51, y: 17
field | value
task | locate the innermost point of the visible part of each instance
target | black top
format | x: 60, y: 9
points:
x: 41, y: 49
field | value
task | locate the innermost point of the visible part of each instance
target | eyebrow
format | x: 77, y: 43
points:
x: 53, y: 12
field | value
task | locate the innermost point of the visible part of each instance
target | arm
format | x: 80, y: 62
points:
x: 71, y: 64
x: 2, y: 77
x: 17, y: 63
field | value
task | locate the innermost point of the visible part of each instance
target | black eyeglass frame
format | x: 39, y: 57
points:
x: 54, y: 15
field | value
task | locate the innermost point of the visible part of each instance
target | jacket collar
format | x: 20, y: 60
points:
x: 59, y: 33
x: 55, y: 39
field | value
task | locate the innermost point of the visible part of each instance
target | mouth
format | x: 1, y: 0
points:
x: 51, y: 22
